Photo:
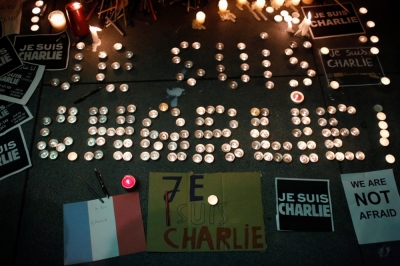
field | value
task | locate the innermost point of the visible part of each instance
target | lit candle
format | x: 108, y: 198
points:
x: 295, y: 2
x: 363, y: 10
x: 306, y: 25
x: 93, y: 31
x: 374, y: 50
x: 278, y: 18
x: 295, y: 21
x: 324, y: 50
x: 77, y: 19
x: 57, y: 20
x: 370, y: 24
x: 390, y: 158
x: 297, y: 97
x: 39, y: 3
x: 36, y: 10
x: 334, y: 85
x: 223, y: 5
x: 385, y: 81
x: 362, y: 39
x: 260, y: 4
x: 200, y: 17
x: 307, y: 2
x: 35, y: 19
x: 34, y: 27
x: 269, y: 9
x: 242, y: 2
x: 128, y: 182
x: 381, y: 116
x: 277, y: 3
x: 384, y: 142
x: 374, y: 39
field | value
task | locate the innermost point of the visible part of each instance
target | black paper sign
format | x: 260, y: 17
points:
x: 303, y: 205
x: 14, y: 155
x: 333, y: 21
x: 12, y: 115
x: 50, y: 50
x: 9, y: 59
x: 19, y: 85
x: 352, y: 66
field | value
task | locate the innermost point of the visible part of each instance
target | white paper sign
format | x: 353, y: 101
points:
x: 374, y: 205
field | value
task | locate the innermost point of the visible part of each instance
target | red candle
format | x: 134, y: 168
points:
x: 128, y: 182
x: 77, y: 19
x: 297, y: 97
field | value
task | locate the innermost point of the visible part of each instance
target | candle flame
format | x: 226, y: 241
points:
x: 91, y: 28
x: 309, y: 15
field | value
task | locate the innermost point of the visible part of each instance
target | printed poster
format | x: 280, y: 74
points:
x: 9, y: 59
x: 94, y: 230
x: 14, y: 156
x: 333, y: 21
x: 374, y: 205
x: 180, y: 218
x: 12, y: 115
x: 303, y: 205
x: 50, y: 50
x: 19, y: 85
x: 355, y: 66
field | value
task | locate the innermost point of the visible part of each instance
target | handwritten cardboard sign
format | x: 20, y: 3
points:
x: 188, y: 223
x: 50, y: 50
x: 9, y: 59
x: 374, y: 205
x: 333, y: 21
x: 355, y: 66
x: 303, y: 205
x: 14, y: 156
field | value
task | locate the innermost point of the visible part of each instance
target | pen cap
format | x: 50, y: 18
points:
x: 128, y: 182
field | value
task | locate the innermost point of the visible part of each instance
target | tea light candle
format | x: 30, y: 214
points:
x: 260, y: 4
x: 383, y: 125
x: 295, y: 21
x: 362, y: 39
x: 212, y: 200
x: 34, y: 19
x: 324, y: 50
x: 278, y: 18
x: 363, y: 10
x: 200, y: 17
x: 307, y: 2
x: 384, y: 142
x: 284, y: 13
x: 57, y: 20
x: 385, y: 81
x: 36, y: 10
x: 381, y: 116
x: 269, y: 9
x: 334, y: 85
x: 374, y: 50
x: 223, y: 5
x: 374, y: 39
x: 118, y: 46
x: 297, y: 97
x: 39, y: 3
x: 370, y: 24
x: 384, y: 133
x: 242, y: 2
x: 128, y: 182
x: 390, y: 158
x: 295, y: 2
x: 34, y: 27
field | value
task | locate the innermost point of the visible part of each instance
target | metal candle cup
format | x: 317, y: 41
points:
x: 128, y: 182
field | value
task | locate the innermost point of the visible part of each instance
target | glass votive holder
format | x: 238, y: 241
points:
x: 57, y: 20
